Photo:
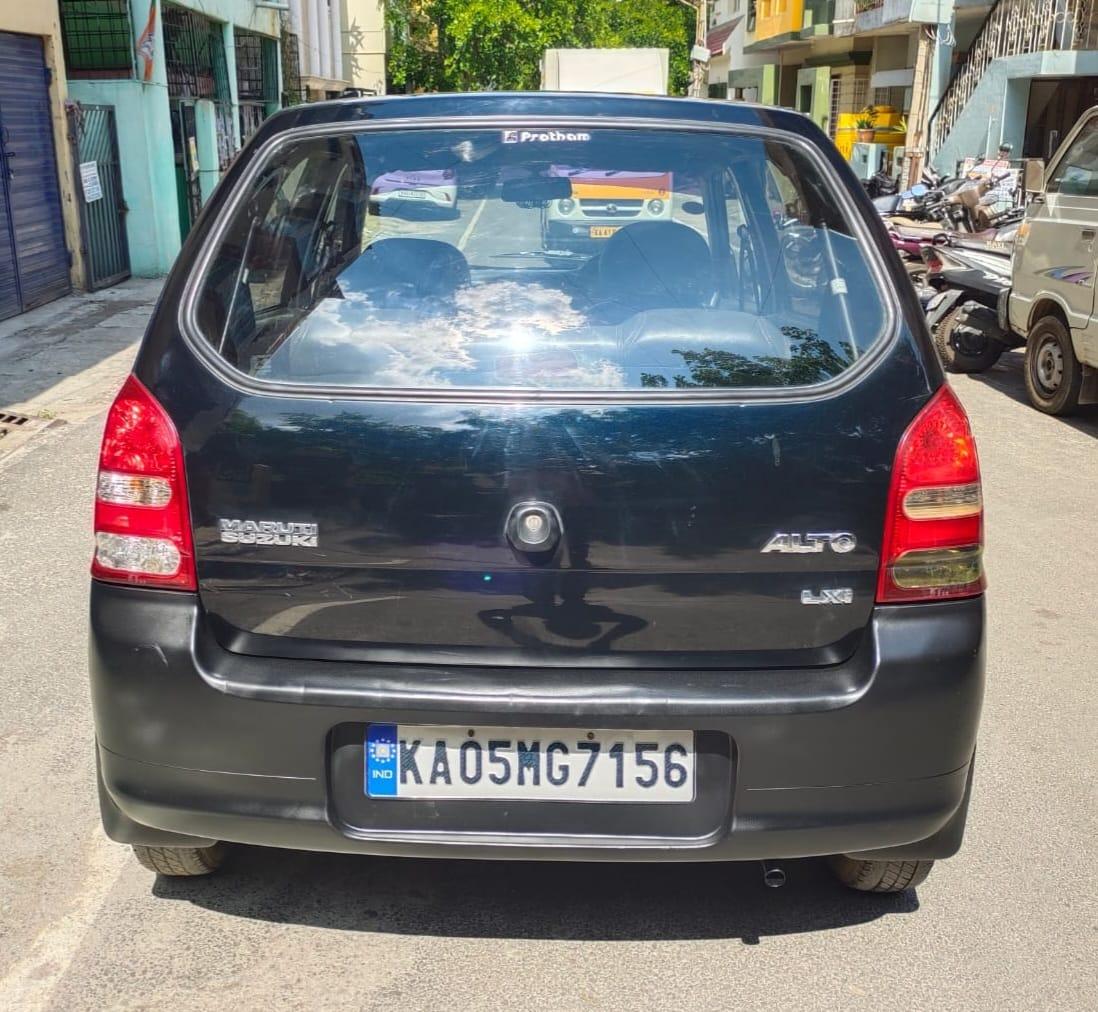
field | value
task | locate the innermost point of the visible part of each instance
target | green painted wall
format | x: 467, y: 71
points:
x: 818, y: 81
x: 142, y: 117
x: 148, y: 167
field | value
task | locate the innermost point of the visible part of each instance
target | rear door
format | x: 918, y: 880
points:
x: 707, y: 406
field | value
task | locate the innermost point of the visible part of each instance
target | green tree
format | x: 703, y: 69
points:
x: 413, y: 60
x: 662, y: 24
x: 478, y: 45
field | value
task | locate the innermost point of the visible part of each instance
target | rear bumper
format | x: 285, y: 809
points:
x: 872, y: 755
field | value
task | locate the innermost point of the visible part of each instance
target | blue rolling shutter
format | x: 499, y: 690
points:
x: 34, y: 261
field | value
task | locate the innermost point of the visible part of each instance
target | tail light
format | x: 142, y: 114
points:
x: 142, y: 523
x: 934, y: 526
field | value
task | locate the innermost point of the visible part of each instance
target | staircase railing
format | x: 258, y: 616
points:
x: 1012, y: 27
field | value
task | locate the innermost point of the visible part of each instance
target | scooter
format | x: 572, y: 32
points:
x: 964, y: 280
x: 988, y: 233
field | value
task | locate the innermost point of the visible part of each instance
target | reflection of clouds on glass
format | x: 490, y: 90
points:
x: 598, y: 375
x: 503, y: 332
x: 515, y: 313
x: 520, y: 325
x: 366, y: 345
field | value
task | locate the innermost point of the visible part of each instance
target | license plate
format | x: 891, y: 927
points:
x: 528, y: 763
x: 603, y: 231
x: 411, y: 195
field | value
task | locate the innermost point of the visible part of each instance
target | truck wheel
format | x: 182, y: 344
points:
x: 181, y: 861
x: 879, y: 876
x: 1054, y: 376
x: 964, y: 348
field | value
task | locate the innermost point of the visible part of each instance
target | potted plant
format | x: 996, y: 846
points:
x: 864, y: 123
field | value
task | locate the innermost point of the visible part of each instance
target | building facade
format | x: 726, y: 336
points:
x: 178, y: 87
x: 947, y: 79
x: 339, y: 44
x: 40, y: 245
x: 732, y: 72
x: 163, y: 93
x: 1027, y: 70
x: 363, y: 23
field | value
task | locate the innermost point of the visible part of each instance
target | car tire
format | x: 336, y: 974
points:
x: 955, y: 360
x: 181, y: 861
x: 1054, y: 376
x: 879, y: 876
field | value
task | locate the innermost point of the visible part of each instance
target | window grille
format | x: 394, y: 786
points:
x: 833, y: 107
x: 97, y: 37
x: 893, y: 96
x: 292, y: 92
x: 249, y: 66
x: 256, y: 79
x: 194, y: 51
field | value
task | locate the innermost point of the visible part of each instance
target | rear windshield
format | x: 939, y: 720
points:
x: 611, y: 259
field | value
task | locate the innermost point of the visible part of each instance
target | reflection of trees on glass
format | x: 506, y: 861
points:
x: 811, y: 360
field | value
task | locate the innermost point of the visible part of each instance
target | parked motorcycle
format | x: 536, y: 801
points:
x: 973, y: 226
x: 964, y: 280
x: 881, y: 184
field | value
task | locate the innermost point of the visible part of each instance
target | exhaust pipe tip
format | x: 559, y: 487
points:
x: 773, y: 876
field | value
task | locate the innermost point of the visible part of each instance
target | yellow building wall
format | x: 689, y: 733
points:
x: 886, y: 130
x: 777, y: 17
x: 43, y: 20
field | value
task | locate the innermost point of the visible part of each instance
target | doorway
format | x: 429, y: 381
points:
x: 185, y: 149
x: 1055, y: 104
x: 94, y: 139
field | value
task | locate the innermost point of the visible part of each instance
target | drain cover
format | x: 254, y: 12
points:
x: 9, y: 422
x: 16, y: 429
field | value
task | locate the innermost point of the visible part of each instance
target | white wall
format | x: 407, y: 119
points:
x: 319, y: 24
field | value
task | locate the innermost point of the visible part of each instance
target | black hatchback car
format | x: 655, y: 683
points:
x: 415, y: 535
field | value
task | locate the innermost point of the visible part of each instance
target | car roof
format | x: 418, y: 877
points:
x: 518, y: 105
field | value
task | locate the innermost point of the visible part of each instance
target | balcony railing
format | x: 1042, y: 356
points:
x: 842, y: 23
x: 1012, y: 27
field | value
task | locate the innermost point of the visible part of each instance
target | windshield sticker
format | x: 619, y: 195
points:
x: 543, y: 136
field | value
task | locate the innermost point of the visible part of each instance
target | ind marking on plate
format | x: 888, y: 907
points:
x: 381, y: 761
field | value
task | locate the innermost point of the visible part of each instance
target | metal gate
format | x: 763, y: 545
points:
x: 102, y: 206
x: 34, y: 261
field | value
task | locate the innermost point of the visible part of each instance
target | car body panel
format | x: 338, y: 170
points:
x: 867, y: 754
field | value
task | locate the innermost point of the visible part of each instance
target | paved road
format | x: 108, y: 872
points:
x: 1008, y: 923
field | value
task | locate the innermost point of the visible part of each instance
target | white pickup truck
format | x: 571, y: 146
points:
x: 1051, y: 302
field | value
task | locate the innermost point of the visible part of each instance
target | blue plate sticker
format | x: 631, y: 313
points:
x: 381, y: 761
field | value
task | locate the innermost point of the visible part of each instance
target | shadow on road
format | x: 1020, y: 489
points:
x: 1008, y: 377
x: 56, y: 354
x: 524, y: 900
